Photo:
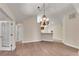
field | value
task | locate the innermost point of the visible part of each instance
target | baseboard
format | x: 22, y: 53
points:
x: 6, y: 49
x: 47, y: 40
x: 31, y: 41
x: 42, y: 40
x: 74, y: 46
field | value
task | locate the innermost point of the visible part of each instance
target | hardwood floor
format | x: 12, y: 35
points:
x: 41, y: 49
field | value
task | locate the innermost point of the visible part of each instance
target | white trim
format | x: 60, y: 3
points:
x: 48, y: 40
x: 3, y: 21
x: 31, y: 41
x: 4, y: 12
x: 74, y: 46
x: 6, y: 49
x: 53, y: 40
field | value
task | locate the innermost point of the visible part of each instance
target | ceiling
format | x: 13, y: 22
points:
x: 23, y: 11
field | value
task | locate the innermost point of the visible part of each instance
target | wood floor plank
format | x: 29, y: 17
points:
x: 41, y: 49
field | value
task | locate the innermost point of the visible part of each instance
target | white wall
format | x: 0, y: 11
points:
x: 8, y: 12
x: 57, y: 29
x: 56, y: 26
x: 71, y: 32
x: 31, y: 30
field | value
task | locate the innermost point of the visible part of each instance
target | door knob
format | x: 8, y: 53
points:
x: 11, y: 34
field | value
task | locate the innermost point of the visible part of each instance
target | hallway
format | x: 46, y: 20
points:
x: 41, y: 49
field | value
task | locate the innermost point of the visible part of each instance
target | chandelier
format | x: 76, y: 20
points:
x: 44, y: 18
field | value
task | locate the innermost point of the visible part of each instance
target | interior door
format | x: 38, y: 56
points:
x: 7, y: 35
x: 19, y: 32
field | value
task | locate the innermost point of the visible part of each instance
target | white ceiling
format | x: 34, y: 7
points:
x: 22, y: 11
